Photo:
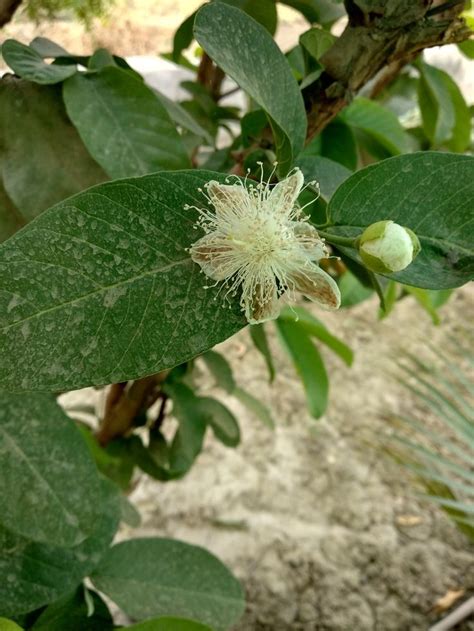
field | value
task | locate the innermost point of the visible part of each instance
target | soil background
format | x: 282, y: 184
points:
x: 324, y: 531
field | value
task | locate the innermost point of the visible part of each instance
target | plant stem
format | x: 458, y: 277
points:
x: 348, y: 242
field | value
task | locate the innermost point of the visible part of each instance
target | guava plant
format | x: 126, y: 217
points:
x: 139, y: 232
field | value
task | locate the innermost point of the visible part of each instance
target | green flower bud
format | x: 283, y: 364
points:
x: 387, y: 247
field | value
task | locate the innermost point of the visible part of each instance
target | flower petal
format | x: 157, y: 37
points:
x: 318, y: 286
x: 225, y: 197
x: 261, y: 302
x: 213, y: 254
x: 283, y: 197
x: 310, y: 240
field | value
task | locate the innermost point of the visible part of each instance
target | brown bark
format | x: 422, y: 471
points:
x: 124, y: 404
x: 7, y: 10
x: 381, y: 34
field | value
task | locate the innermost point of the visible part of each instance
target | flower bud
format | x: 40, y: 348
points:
x: 387, y: 247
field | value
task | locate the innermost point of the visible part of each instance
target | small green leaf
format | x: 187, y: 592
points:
x: 88, y: 296
x: 100, y: 59
x: 183, y: 37
x: 316, y: 329
x: 259, y: 338
x: 430, y: 300
x: 322, y: 11
x: 220, y: 370
x: 187, y: 442
x: 317, y: 41
x: 43, y: 160
x: 431, y: 193
x: 446, y: 117
x: 352, y: 290
x: 153, y: 577
x: 122, y: 123
x: 255, y: 406
x: 45, y: 463
x: 245, y: 51
x: 28, y: 64
x: 336, y: 142
x: 308, y: 363
x: 47, y: 48
x: 220, y: 418
x: 71, y: 613
x: 169, y: 624
x: 377, y: 121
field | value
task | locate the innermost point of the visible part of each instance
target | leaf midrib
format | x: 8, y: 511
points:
x: 183, y: 261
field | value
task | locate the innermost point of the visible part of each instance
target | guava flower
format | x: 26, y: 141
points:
x: 387, y: 247
x: 259, y: 241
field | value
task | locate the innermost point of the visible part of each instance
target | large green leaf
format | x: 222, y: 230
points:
x: 245, y: 51
x: 35, y: 574
x: 123, y: 123
x: 308, y: 363
x: 28, y: 64
x: 42, y: 158
x: 379, y: 123
x: 45, y: 463
x: 153, y: 577
x: 101, y: 289
x: 431, y: 193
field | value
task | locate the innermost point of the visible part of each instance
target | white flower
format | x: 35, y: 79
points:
x: 258, y: 240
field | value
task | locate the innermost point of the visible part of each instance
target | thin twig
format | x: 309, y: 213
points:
x: 456, y: 616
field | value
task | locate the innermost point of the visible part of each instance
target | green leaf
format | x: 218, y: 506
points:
x: 47, y: 48
x: 129, y: 514
x: 72, y: 613
x: 263, y: 11
x: 28, y: 64
x: 429, y: 192
x: 323, y: 11
x: 36, y: 574
x: 122, y: 123
x: 255, y: 406
x: 100, y: 59
x: 308, y: 363
x: 446, y: 117
x: 187, y: 442
x: 220, y: 418
x: 329, y: 174
x: 245, y: 51
x: 467, y: 48
x: 183, y: 37
x: 168, y: 624
x: 45, y: 463
x: 154, y: 576
x: 430, y: 300
x: 83, y: 304
x: 42, y: 158
x: 379, y: 123
x: 259, y: 338
x: 220, y: 370
x: 336, y: 142
x: 11, y: 219
x: 317, y: 41
x: 9, y: 625
x: 352, y: 290
x: 316, y: 329
x: 181, y: 117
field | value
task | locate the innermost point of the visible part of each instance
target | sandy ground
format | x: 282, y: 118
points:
x: 312, y: 518
x: 321, y: 527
